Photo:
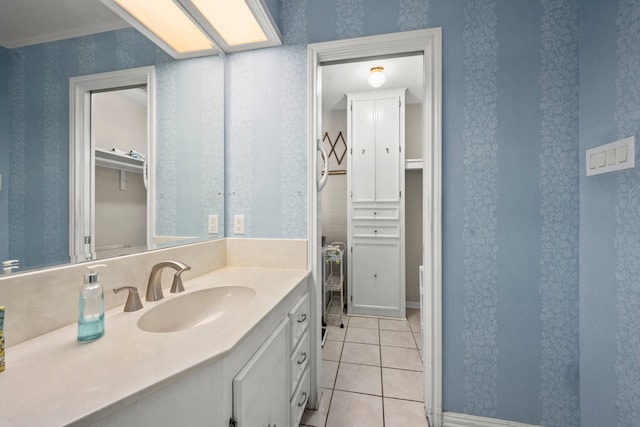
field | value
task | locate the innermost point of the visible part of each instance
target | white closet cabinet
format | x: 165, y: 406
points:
x: 375, y: 188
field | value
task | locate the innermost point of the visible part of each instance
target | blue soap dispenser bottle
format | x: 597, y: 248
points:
x: 91, y: 307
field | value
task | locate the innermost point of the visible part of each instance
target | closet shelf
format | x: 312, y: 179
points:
x: 111, y: 160
x: 413, y: 164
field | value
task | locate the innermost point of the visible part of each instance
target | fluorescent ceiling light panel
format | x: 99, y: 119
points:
x: 168, y: 22
x: 235, y: 25
x: 232, y: 19
x: 164, y: 22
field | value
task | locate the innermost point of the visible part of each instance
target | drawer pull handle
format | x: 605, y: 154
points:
x: 304, y: 357
x: 302, y: 318
x: 304, y: 399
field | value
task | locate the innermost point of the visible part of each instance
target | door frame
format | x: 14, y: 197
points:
x: 429, y: 43
x: 82, y: 160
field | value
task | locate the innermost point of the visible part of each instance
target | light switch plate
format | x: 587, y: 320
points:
x: 238, y: 224
x: 213, y: 224
x: 611, y: 157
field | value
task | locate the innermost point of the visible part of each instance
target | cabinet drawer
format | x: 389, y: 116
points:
x: 299, y: 399
x: 299, y: 360
x: 387, y: 212
x: 376, y: 230
x: 299, y: 317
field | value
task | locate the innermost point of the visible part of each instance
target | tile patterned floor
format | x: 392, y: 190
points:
x: 371, y: 375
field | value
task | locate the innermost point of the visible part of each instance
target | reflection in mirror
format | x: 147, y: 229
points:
x: 34, y: 144
x: 119, y: 141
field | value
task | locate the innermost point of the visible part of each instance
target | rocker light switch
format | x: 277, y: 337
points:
x: 611, y: 157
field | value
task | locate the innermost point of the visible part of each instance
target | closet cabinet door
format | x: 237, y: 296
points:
x: 376, y: 277
x: 363, y: 146
x: 388, y: 149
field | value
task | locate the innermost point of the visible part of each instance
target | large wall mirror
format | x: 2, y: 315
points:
x: 187, y: 167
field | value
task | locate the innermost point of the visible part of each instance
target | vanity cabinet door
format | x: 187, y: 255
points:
x: 261, y: 389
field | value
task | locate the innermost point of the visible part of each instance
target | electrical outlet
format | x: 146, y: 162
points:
x: 213, y: 224
x: 238, y: 224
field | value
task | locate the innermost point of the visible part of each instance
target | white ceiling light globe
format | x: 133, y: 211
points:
x: 377, y: 77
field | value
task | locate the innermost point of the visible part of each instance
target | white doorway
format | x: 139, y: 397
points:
x: 427, y: 43
x: 90, y: 158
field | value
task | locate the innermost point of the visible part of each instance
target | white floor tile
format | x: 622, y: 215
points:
x: 335, y: 333
x: 397, y: 339
x: 394, y: 325
x: 362, y: 335
x: 329, y: 371
x: 418, y: 339
x: 400, y: 358
x: 363, y: 322
x: 362, y: 354
x: 332, y: 350
x: 401, y: 384
x: 404, y: 413
x: 354, y: 410
x: 359, y: 378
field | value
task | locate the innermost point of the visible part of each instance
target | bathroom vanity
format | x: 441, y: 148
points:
x: 247, y: 366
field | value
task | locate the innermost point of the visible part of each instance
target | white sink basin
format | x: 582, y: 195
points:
x: 195, y: 309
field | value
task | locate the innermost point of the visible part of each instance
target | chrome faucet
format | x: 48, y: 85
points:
x: 154, y: 287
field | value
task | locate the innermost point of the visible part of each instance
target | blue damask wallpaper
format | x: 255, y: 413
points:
x: 610, y: 218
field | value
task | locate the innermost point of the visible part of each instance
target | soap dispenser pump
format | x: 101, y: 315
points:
x: 91, y: 307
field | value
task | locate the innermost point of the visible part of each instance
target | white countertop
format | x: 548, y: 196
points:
x: 53, y: 380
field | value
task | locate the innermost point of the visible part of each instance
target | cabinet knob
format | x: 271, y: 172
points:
x: 375, y: 275
x: 302, y: 318
x: 387, y: 150
x: 304, y: 399
x: 304, y: 357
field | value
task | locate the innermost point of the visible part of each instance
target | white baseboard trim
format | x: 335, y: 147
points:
x: 413, y: 304
x: 461, y: 420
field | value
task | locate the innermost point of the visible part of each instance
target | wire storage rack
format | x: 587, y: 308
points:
x: 333, y: 283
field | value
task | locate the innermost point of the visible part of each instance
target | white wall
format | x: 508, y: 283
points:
x: 119, y: 121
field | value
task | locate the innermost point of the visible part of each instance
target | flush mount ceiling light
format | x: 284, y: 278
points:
x: 377, y: 77
x: 190, y: 28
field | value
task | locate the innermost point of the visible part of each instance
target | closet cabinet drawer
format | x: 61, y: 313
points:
x: 299, y: 317
x: 299, y: 360
x: 299, y: 399
x: 376, y: 230
x: 376, y: 212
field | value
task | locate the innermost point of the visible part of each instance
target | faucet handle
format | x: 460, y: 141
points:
x: 133, y: 298
x: 176, y: 285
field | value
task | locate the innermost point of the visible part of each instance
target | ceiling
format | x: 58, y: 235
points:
x: 26, y: 22
x: 401, y: 72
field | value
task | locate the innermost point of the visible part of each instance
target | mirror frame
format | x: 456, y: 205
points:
x: 82, y: 162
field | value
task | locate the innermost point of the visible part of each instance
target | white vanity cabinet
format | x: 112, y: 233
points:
x: 272, y: 388
x: 260, y: 389
x: 375, y: 191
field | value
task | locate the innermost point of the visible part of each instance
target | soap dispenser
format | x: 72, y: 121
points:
x: 91, y: 307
